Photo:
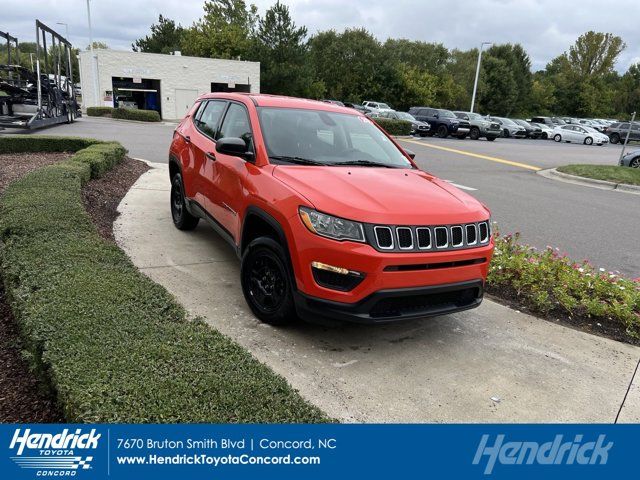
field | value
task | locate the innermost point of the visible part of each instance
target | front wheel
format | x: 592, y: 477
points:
x: 443, y: 131
x: 545, y: 136
x: 588, y: 141
x: 615, y: 138
x: 635, y: 163
x: 182, y: 219
x: 474, y: 134
x: 266, y: 282
x: 506, y: 133
x: 491, y: 139
x: 557, y: 138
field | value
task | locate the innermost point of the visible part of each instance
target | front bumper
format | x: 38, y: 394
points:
x: 383, y: 272
x: 391, y: 305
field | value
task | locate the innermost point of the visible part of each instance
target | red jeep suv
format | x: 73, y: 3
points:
x: 330, y: 217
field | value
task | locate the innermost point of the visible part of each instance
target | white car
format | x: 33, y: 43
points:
x: 547, y: 131
x: 377, y: 107
x: 579, y: 134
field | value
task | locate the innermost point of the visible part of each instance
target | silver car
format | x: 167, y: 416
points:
x: 631, y: 159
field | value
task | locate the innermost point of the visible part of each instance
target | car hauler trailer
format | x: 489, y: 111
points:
x: 43, y: 95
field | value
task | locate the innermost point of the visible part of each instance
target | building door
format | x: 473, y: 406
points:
x: 184, y: 101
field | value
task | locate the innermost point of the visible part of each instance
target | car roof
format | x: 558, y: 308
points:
x: 265, y: 100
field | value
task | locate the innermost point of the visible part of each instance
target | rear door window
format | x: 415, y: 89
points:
x: 208, y: 117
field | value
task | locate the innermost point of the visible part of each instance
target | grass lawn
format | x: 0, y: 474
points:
x: 610, y: 173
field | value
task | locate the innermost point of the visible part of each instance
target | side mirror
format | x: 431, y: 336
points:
x: 436, y: 115
x: 411, y: 154
x: 234, y: 146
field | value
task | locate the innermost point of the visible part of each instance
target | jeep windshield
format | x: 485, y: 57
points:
x: 317, y: 137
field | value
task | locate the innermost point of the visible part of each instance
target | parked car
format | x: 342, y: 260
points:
x: 334, y: 102
x: 376, y: 107
x: 442, y: 122
x: 510, y: 128
x: 417, y: 127
x: 546, y: 130
x: 591, y: 123
x: 480, y: 126
x: 314, y: 201
x: 579, y: 134
x: 356, y: 106
x: 617, y: 132
x: 631, y: 159
x: 531, y: 130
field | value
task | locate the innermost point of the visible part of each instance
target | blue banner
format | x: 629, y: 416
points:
x: 310, y: 452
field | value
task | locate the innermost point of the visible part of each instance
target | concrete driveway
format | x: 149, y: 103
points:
x: 491, y: 364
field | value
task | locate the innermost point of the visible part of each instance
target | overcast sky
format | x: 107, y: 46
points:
x: 546, y: 28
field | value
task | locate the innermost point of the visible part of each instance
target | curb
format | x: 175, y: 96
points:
x: 554, y: 174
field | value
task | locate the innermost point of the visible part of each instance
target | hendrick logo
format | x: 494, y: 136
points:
x: 56, y: 454
x: 556, y: 452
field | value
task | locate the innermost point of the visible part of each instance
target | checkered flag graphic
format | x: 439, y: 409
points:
x: 85, y: 464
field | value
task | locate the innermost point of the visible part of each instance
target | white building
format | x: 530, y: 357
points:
x: 166, y: 83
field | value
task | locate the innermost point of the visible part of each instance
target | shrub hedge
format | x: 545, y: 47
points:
x: 113, y: 345
x: 550, y: 283
x: 124, y: 113
x: 394, y: 127
x: 43, y: 143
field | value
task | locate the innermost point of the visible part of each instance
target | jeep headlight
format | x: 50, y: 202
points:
x: 330, y: 226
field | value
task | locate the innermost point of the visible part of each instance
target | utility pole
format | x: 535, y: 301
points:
x: 94, y: 60
x: 475, y: 83
x: 626, y: 140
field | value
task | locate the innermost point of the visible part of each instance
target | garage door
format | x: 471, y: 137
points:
x: 184, y: 100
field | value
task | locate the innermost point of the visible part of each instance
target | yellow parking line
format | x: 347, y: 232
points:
x: 476, y: 155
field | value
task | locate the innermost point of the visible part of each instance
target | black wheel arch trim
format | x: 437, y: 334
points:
x: 255, y: 211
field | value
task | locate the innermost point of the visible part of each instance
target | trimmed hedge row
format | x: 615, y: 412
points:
x: 43, y: 143
x: 124, y: 113
x: 113, y: 345
x: 393, y: 126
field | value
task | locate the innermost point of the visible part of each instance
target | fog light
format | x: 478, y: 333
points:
x: 335, y: 278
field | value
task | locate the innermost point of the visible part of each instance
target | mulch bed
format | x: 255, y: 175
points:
x: 102, y: 196
x: 23, y: 397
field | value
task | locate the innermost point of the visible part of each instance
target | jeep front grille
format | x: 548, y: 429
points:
x: 404, y: 238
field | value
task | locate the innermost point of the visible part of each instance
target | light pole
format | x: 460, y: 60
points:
x: 475, y: 83
x: 94, y: 59
x: 66, y: 29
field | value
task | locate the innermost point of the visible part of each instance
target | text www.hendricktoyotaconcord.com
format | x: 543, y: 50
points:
x: 201, y: 459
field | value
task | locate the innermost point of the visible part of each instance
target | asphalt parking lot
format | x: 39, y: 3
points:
x: 586, y: 223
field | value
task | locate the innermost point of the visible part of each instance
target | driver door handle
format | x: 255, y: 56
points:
x: 211, y: 156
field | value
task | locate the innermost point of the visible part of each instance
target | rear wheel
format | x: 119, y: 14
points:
x: 443, y: 131
x: 266, y: 282
x: 588, y: 141
x: 182, y: 219
x: 474, y: 134
x: 557, y: 138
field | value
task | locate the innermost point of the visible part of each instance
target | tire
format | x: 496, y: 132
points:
x: 69, y: 116
x: 544, y: 136
x: 474, y: 134
x: 443, y: 131
x: 182, y: 219
x: 491, y: 139
x: 557, y: 138
x: 589, y: 141
x: 505, y: 133
x: 615, y: 138
x: 635, y: 163
x: 266, y: 283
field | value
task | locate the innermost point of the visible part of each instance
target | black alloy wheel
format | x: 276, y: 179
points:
x: 443, y: 131
x: 182, y: 219
x: 474, y: 134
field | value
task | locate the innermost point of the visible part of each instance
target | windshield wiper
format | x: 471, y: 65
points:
x: 298, y: 160
x: 364, y: 163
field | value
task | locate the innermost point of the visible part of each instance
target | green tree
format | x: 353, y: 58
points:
x: 457, y: 83
x: 283, y: 53
x: 519, y: 65
x: 595, y: 53
x: 225, y: 31
x: 500, y: 90
x: 98, y: 46
x: 427, y: 57
x: 165, y: 37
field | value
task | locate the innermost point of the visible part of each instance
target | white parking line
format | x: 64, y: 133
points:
x: 461, y: 187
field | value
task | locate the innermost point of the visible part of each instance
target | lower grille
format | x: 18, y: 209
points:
x: 424, y: 304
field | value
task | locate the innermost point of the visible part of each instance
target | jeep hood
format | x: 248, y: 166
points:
x: 381, y: 195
